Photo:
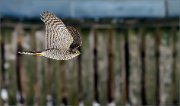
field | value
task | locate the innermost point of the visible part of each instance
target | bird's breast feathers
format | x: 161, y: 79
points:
x: 59, y: 54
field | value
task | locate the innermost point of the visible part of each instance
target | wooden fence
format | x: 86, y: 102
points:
x: 136, y: 65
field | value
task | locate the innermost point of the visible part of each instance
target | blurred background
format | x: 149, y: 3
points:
x: 130, y: 53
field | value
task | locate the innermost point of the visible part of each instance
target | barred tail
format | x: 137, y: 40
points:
x: 32, y: 53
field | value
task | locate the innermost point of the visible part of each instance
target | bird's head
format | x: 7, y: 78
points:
x: 75, y: 53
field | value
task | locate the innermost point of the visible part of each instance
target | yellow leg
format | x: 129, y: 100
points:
x: 39, y: 54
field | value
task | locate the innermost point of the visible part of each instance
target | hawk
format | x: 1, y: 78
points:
x: 61, y: 42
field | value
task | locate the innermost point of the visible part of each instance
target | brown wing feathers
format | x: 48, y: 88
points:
x: 51, y: 20
x: 76, y: 37
x: 58, y: 35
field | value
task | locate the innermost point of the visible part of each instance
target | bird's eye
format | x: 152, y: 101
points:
x: 77, y: 52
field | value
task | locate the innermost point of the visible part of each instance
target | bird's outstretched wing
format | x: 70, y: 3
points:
x: 76, y: 38
x: 57, y: 35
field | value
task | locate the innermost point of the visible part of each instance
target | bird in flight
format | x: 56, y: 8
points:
x: 61, y: 42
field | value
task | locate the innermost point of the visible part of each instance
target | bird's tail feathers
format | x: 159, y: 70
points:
x: 32, y: 53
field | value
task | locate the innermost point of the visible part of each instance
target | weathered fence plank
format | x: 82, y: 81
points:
x: 72, y: 86
x: 127, y: 66
x: 39, y: 35
x: 95, y: 67
x: 135, y: 67
x: 87, y: 65
x: 20, y: 93
x: 150, y: 68
x: 4, y: 99
x: 119, y: 44
x: 79, y: 77
x: 38, y: 61
x: 143, y: 64
x: 102, y: 64
x: 176, y: 73
x: 63, y: 80
x: 166, y: 69
x: 157, y: 55
x: 110, y: 68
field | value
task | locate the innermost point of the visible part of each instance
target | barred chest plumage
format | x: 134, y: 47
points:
x: 59, y: 54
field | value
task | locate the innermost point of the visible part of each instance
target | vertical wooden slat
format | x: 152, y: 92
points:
x: 1, y: 73
x: 126, y: 53
x: 2, y: 62
x: 63, y: 83
x: 102, y: 58
x: 4, y: 98
x: 71, y: 67
x: 150, y: 63
x: 110, y: 73
x: 49, y: 98
x: 166, y: 69
x: 143, y: 66
x: 177, y: 73
x: 12, y: 69
x: 117, y: 66
x: 157, y: 41
x: 135, y: 67
x: 28, y: 71
x: 39, y: 88
x: 36, y: 87
x: 87, y: 64
x: 18, y: 72
x: 95, y: 65
x: 122, y: 68
x: 174, y: 73
x: 49, y: 76
x: 79, y: 76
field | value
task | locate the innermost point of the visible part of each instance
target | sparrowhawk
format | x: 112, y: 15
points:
x: 61, y: 42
